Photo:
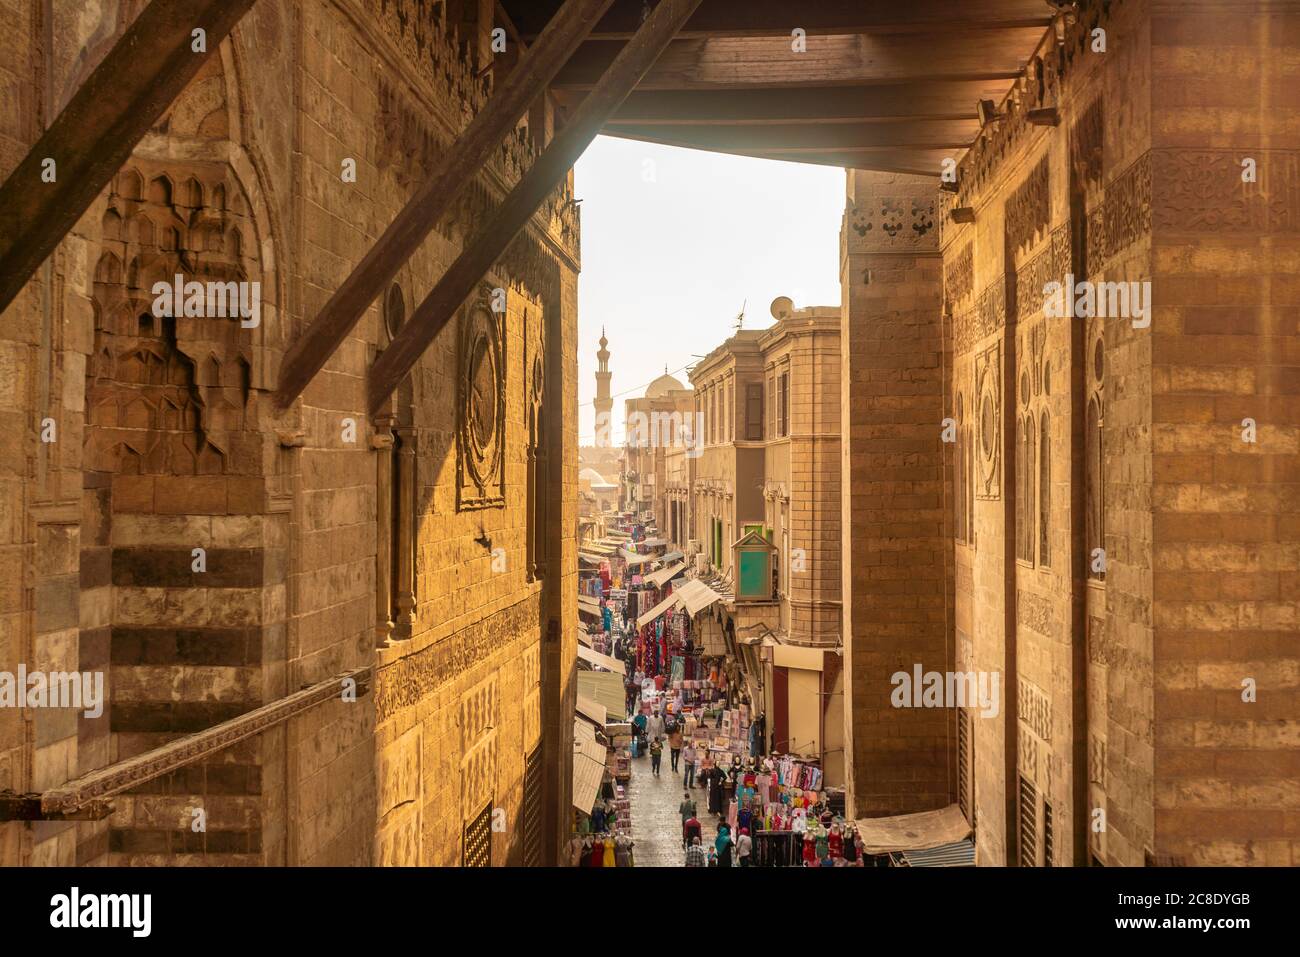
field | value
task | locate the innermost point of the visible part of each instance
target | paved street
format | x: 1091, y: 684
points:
x: 656, y: 826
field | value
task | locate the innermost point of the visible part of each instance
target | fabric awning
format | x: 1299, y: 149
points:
x: 588, y: 766
x: 584, y: 637
x: 600, y: 548
x: 606, y: 688
x: 913, y: 832
x: 673, y: 556
x: 590, y: 558
x: 587, y: 601
x: 632, y: 558
x: 601, y: 661
x: 591, y: 709
x: 656, y: 611
x: 665, y: 575
x: 695, y: 596
x: 654, y: 542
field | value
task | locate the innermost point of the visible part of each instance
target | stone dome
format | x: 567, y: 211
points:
x: 662, y: 386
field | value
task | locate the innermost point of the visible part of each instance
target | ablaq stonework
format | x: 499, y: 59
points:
x: 293, y: 565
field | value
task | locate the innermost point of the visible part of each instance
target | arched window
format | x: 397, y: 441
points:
x: 1093, y: 490
x: 1044, y: 494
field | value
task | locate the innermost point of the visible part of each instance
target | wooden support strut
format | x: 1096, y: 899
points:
x: 455, y: 169
x: 513, y: 214
x: 89, y: 793
x: 94, y: 135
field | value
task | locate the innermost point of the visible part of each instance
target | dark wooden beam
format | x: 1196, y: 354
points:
x: 808, y: 105
x: 840, y: 60
x: 91, y: 139
x: 780, y: 17
x: 534, y: 186
x: 900, y: 159
x: 922, y: 134
x: 27, y: 807
x: 454, y: 170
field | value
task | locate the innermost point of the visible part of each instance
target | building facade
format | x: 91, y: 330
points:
x: 414, y: 571
x: 1088, y: 495
x: 656, y: 425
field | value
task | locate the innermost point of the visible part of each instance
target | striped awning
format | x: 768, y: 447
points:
x: 961, y: 854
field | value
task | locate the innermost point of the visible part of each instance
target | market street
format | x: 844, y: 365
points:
x: 656, y: 825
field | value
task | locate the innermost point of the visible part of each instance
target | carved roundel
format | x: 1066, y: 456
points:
x: 481, y: 413
x: 988, y: 412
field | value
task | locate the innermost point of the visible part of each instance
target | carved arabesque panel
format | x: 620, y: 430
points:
x: 481, y: 406
x: 988, y: 423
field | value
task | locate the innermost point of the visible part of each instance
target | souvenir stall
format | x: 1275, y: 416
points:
x: 781, y: 801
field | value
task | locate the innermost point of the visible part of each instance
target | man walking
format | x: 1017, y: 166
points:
x: 695, y: 854
x: 675, y: 745
x: 688, y: 756
x: 656, y: 755
x: 687, y: 811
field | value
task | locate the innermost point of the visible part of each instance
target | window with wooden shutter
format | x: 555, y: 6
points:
x: 533, y: 808
x: 754, y: 412
x: 478, y: 839
x: 1028, y: 825
x: 784, y: 388
x: 1047, y: 834
x: 966, y: 765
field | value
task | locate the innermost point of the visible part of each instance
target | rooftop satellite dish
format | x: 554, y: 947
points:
x: 782, y: 306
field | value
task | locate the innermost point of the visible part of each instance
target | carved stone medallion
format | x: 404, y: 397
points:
x: 480, y: 431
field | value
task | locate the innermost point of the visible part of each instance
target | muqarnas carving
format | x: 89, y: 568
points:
x: 988, y: 389
x: 481, y: 410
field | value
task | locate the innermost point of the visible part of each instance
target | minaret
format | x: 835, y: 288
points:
x: 604, y: 404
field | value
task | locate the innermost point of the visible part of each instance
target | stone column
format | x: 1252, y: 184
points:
x: 896, y: 555
x: 382, y: 442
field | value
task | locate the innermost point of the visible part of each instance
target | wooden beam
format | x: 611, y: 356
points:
x: 27, y: 807
x: 923, y: 135
x: 453, y: 172
x: 898, y: 159
x: 780, y: 17
x: 532, y: 189
x: 840, y: 60
x: 808, y: 105
x: 67, y: 799
x: 94, y: 135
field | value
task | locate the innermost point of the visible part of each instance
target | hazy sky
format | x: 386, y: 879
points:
x: 675, y: 241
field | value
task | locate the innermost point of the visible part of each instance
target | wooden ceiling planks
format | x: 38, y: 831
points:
x: 740, y: 18
x: 882, y: 84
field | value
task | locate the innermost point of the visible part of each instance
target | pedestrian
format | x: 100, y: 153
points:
x: 723, y: 845
x: 675, y: 745
x: 744, y: 847
x: 695, y: 854
x: 687, y: 811
x: 656, y: 755
x: 688, y: 756
x: 693, y: 830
